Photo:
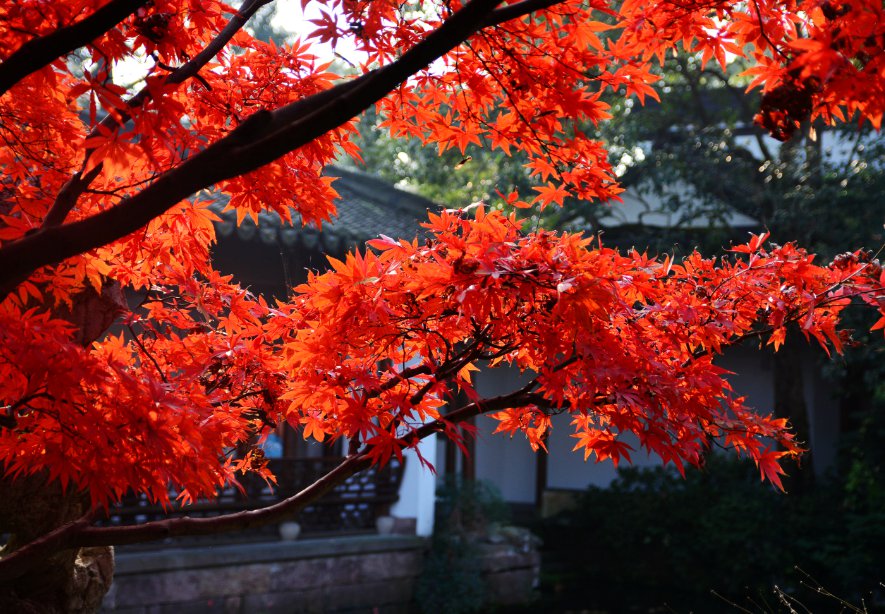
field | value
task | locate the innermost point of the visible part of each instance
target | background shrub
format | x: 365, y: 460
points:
x: 655, y: 540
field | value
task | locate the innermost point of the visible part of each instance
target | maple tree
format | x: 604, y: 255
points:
x: 791, y: 189
x: 105, y: 218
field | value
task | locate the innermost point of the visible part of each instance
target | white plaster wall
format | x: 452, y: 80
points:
x: 511, y: 464
x: 508, y: 463
x: 754, y: 379
x: 752, y: 375
x: 567, y: 469
x: 417, y: 493
x: 823, y: 414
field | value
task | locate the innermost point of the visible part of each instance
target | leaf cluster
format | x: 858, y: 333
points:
x: 103, y: 190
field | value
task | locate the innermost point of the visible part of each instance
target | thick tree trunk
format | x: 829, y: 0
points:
x: 69, y: 581
x: 30, y: 506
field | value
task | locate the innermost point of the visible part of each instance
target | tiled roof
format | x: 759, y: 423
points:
x: 367, y: 207
x: 652, y: 211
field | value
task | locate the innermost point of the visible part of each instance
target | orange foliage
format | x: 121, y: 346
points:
x: 622, y: 342
x: 100, y: 189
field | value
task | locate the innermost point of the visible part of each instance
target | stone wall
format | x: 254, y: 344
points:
x: 511, y: 573
x: 365, y: 573
x: 370, y: 573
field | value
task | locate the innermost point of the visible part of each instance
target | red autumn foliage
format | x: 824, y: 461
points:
x: 103, y: 188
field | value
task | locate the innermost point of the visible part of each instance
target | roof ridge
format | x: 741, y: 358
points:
x: 372, y: 187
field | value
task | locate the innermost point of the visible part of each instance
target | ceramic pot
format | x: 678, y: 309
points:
x: 289, y: 531
x: 384, y: 524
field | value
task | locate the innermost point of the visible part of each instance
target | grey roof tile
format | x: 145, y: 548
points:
x: 367, y: 207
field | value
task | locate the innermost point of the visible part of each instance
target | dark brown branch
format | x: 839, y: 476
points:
x: 68, y: 195
x: 517, y: 10
x: 518, y: 398
x: 447, y: 370
x: 79, y: 534
x: 39, y: 52
x: 193, y: 66
x: 144, y: 351
x: 19, y: 562
x: 79, y: 183
x: 262, y: 138
x: 771, y: 44
x: 401, y: 377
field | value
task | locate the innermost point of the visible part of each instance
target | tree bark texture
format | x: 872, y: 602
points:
x: 68, y: 581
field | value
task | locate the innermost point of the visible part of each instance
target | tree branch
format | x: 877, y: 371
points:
x: 39, y: 52
x: 262, y: 138
x: 517, y: 10
x: 79, y: 183
x: 19, y: 562
x: 79, y: 534
x: 518, y: 398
